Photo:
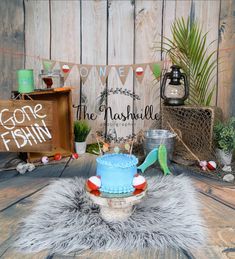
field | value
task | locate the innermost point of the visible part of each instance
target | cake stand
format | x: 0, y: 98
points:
x: 116, y: 207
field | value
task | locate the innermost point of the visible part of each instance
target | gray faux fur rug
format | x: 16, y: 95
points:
x: 64, y: 220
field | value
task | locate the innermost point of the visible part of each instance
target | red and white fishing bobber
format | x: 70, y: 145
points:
x: 139, y: 71
x: 203, y: 165
x: 137, y: 191
x: 93, y: 183
x: 74, y: 156
x: 139, y: 182
x: 95, y: 192
x: 57, y: 157
x: 45, y: 160
x: 65, y: 68
x: 211, y: 165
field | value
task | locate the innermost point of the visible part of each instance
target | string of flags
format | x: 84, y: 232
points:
x: 104, y: 70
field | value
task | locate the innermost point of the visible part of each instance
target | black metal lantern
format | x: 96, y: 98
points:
x: 174, y: 88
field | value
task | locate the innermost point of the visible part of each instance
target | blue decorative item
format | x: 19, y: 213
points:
x: 117, y: 172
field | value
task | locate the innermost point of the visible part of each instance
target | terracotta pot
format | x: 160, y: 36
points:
x: 225, y: 158
x: 80, y: 147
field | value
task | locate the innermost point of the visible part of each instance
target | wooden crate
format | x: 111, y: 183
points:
x: 62, y: 131
x: 194, y: 125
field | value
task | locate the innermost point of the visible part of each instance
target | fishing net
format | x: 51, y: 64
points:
x: 194, y: 127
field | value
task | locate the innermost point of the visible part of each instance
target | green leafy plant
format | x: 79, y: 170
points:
x: 81, y: 130
x: 94, y: 148
x: 224, y: 135
x: 189, y: 50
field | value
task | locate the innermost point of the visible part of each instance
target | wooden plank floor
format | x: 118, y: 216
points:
x: 18, y: 193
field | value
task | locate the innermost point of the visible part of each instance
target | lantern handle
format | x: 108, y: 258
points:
x: 186, y: 87
x: 166, y: 76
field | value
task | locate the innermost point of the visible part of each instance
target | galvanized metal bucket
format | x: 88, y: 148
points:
x: 154, y: 138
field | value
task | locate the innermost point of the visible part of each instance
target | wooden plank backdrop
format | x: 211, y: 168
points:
x: 37, y: 34
x: 11, y: 37
x: 148, y: 27
x: 65, y: 39
x: 120, y: 51
x: 94, y: 42
x: 101, y: 32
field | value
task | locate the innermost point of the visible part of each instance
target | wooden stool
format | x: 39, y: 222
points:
x: 116, y: 207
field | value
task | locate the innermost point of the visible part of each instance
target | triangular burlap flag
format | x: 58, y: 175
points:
x: 65, y: 69
x: 84, y: 71
x: 139, y: 70
x: 122, y: 72
x: 48, y: 64
x: 103, y: 72
x: 156, y: 68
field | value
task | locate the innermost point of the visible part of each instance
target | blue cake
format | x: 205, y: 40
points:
x: 116, y: 172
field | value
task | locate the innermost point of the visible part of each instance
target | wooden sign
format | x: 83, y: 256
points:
x: 26, y: 126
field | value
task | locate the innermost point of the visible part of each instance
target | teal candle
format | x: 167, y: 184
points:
x: 25, y: 80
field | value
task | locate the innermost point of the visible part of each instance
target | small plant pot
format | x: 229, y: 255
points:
x: 80, y: 147
x: 225, y: 158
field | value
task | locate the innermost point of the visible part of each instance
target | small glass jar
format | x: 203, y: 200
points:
x: 50, y: 79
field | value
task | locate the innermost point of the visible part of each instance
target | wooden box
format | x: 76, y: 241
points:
x: 194, y: 125
x: 62, y: 130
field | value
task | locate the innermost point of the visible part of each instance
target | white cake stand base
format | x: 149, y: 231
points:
x: 116, y: 208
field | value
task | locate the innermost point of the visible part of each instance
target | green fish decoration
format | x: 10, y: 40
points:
x: 159, y: 154
x: 150, y: 159
x: 162, y: 157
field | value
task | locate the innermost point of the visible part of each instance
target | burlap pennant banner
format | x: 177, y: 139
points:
x: 103, y: 72
x: 122, y: 72
x: 65, y: 69
x: 48, y: 64
x: 139, y: 70
x: 84, y: 71
x: 156, y: 68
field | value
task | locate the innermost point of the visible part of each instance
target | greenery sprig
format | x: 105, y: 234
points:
x: 103, y: 95
x: 224, y: 135
x: 81, y: 130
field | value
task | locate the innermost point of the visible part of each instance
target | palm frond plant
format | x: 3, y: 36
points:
x: 189, y: 49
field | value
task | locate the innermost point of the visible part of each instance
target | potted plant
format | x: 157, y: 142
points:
x: 224, y: 137
x: 81, y: 131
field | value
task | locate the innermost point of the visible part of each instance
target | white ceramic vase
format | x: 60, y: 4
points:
x: 80, y: 147
x: 225, y: 158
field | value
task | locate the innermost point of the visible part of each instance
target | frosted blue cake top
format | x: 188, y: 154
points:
x: 117, y: 160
